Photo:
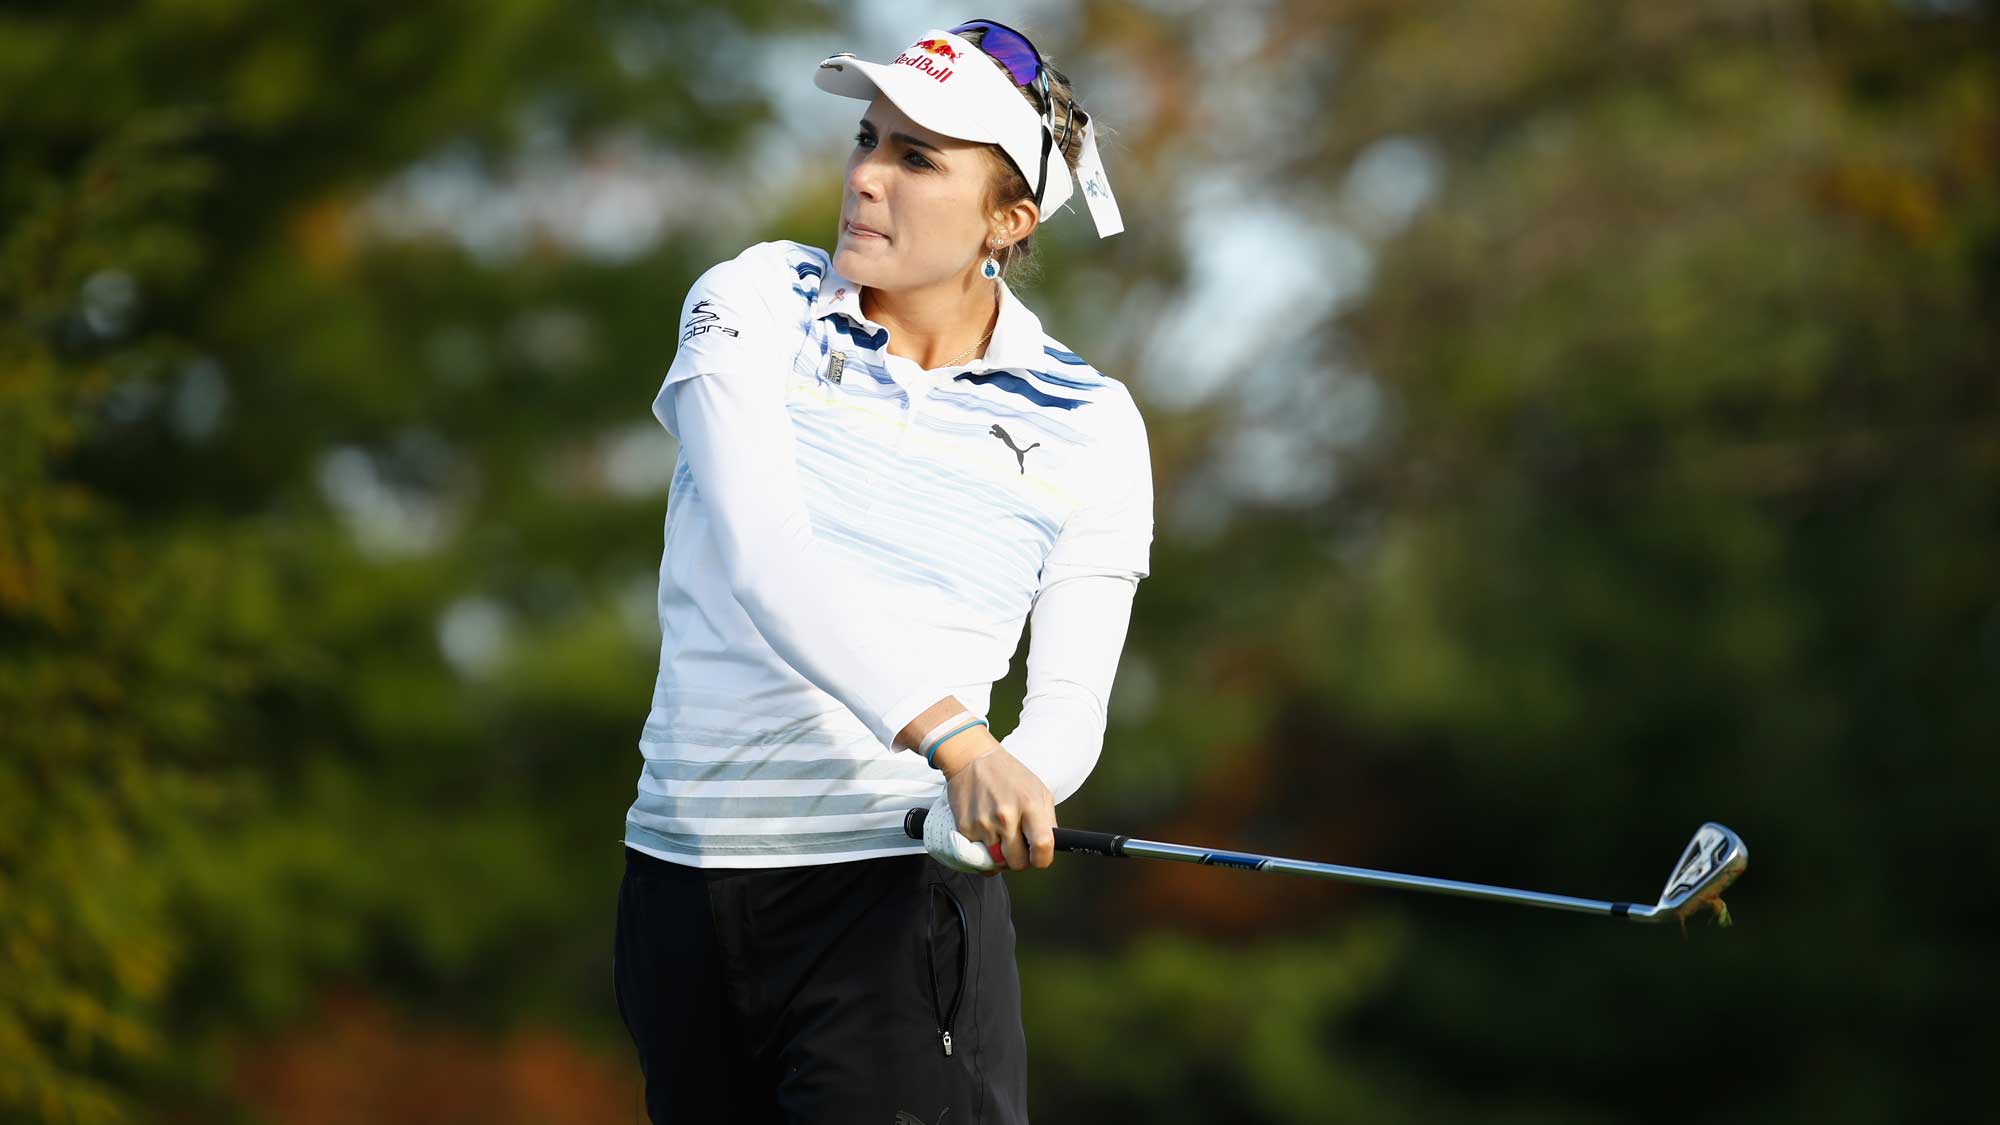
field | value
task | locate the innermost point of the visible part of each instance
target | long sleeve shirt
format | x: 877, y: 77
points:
x: 851, y: 539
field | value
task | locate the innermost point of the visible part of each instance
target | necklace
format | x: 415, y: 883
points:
x: 980, y: 343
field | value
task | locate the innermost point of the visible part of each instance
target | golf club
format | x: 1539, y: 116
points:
x: 1710, y: 862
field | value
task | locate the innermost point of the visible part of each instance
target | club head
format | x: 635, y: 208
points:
x: 1711, y: 861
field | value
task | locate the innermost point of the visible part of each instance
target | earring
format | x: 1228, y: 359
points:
x: 990, y: 268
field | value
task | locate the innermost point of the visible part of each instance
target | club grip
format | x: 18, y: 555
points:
x: 1067, y: 839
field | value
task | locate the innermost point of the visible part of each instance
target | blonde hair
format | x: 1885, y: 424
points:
x: 1018, y: 263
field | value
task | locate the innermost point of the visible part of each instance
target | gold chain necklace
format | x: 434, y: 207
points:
x: 977, y: 345
x: 980, y: 343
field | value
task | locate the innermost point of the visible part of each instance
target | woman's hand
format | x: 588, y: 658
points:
x: 996, y: 799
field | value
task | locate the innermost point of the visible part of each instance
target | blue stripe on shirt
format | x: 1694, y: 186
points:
x: 1014, y: 384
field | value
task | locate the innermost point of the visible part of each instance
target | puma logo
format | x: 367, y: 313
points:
x: 905, y: 1117
x: 1020, y: 455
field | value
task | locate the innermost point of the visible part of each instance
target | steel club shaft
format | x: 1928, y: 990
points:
x: 1116, y: 846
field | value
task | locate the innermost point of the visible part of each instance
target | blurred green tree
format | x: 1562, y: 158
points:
x: 329, y: 510
x: 256, y: 440
x: 1683, y: 507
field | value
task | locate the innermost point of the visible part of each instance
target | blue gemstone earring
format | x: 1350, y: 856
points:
x: 990, y: 268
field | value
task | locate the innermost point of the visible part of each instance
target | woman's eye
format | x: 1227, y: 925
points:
x: 866, y: 139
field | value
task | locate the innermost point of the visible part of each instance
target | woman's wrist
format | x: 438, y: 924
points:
x: 963, y: 749
x: 921, y: 729
x: 944, y: 731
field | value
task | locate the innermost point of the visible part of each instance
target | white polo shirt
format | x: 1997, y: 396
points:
x: 850, y: 538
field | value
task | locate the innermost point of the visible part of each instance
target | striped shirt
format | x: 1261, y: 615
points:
x: 850, y: 538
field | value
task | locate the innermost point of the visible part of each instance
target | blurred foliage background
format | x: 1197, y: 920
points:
x: 1573, y: 420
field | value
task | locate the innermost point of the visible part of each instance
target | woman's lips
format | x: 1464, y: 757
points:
x: 864, y: 232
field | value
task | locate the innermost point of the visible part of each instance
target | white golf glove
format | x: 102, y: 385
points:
x: 942, y: 840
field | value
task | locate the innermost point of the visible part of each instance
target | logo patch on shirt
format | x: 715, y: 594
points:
x: 704, y: 319
x: 1020, y: 455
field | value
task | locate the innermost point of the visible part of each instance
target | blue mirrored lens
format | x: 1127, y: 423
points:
x: 1009, y: 48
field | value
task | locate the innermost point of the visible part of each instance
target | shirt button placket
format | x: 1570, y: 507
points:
x: 913, y: 395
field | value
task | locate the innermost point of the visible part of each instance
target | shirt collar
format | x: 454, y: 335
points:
x: 1017, y: 335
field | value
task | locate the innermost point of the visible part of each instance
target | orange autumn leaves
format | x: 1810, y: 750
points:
x: 361, y: 1063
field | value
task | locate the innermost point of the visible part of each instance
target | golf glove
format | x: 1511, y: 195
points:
x: 942, y: 840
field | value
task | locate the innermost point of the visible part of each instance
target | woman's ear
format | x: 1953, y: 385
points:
x: 1018, y: 221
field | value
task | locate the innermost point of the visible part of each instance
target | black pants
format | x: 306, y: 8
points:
x: 878, y: 991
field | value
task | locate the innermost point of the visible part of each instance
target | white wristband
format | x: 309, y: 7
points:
x: 962, y: 717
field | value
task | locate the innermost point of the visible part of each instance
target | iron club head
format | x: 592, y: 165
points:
x: 1710, y: 862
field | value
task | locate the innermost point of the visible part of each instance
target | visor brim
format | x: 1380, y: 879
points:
x: 911, y: 91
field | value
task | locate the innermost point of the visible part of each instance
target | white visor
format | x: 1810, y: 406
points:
x: 949, y: 86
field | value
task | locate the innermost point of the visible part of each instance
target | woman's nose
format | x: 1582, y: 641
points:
x: 865, y: 178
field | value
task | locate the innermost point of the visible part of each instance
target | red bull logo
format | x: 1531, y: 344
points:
x: 924, y: 63
x: 924, y: 55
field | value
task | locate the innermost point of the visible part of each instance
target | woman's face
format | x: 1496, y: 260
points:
x: 922, y: 194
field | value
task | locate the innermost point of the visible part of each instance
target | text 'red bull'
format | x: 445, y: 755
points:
x: 923, y: 61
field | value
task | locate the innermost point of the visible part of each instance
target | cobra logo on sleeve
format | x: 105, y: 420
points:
x: 703, y: 319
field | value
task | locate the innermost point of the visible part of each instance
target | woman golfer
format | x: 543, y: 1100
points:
x: 886, y: 467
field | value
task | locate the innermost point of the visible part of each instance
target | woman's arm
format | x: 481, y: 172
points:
x: 1079, y: 622
x: 1077, y: 632
x: 725, y: 399
x: 1084, y: 606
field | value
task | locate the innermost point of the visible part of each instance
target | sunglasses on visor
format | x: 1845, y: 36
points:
x: 1024, y: 65
x: 1015, y: 55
